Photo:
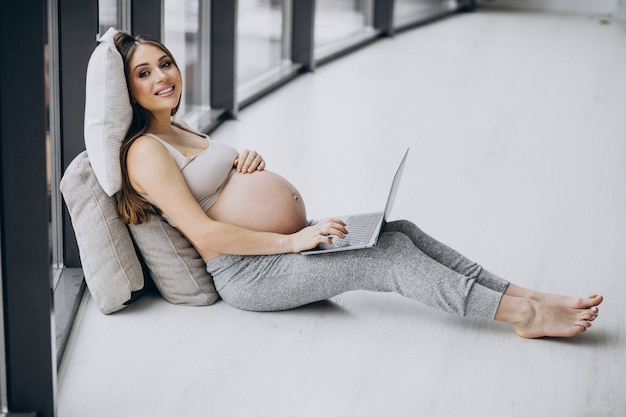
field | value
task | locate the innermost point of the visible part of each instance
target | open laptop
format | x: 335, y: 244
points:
x: 363, y: 229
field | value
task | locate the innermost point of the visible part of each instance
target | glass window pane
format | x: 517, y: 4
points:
x: 260, y: 36
x: 339, y: 19
x: 411, y: 11
x: 113, y: 13
x: 53, y: 151
x: 107, y: 15
x: 185, y: 35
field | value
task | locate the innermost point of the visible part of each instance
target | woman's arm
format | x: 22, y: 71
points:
x: 153, y: 171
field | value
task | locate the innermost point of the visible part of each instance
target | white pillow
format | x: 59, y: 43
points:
x: 108, y: 112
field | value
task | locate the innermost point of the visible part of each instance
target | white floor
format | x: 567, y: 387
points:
x: 517, y: 128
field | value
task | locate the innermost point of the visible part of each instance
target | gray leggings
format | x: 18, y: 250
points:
x: 406, y: 261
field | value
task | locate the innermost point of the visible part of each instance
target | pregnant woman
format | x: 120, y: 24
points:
x: 249, y: 224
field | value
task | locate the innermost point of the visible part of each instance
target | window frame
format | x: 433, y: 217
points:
x: 27, y: 347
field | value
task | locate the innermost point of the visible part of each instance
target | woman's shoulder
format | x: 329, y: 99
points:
x: 146, y: 143
x: 147, y: 147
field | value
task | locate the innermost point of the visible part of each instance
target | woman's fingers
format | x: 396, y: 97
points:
x: 311, y: 236
x: 336, y: 227
x: 249, y: 161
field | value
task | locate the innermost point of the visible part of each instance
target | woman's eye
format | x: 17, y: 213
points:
x: 144, y: 74
x: 166, y: 64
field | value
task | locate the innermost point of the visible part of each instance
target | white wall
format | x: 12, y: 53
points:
x: 616, y: 8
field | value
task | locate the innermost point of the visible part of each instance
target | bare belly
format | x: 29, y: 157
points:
x: 262, y: 201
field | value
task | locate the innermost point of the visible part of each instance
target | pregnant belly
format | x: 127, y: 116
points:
x: 262, y: 201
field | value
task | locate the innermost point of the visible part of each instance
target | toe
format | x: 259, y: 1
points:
x: 591, y: 301
x: 587, y: 315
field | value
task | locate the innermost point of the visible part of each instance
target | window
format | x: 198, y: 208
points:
x: 186, y: 35
x: 53, y: 151
x: 407, y: 12
x: 340, y: 24
x: 263, y: 44
x: 107, y: 15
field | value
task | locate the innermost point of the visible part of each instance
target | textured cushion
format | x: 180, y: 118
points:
x: 176, y: 268
x: 112, y: 270
x: 108, y: 112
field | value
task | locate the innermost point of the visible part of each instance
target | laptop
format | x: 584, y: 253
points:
x: 363, y: 229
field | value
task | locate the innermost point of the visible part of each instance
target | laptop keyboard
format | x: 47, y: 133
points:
x: 360, y: 230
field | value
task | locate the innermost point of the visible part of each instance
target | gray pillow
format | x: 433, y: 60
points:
x: 112, y: 270
x: 176, y: 268
x: 110, y: 261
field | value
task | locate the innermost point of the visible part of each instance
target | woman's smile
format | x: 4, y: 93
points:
x: 166, y: 91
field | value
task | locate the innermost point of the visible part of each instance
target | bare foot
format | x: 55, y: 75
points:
x: 556, y: 299
x: 533, y: 318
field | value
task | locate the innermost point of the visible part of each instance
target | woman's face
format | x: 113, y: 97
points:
x: 154, y: 81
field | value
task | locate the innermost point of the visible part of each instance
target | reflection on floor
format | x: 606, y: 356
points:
x: 516, y: 125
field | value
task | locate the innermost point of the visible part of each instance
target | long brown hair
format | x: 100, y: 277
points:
x: 132, y: 207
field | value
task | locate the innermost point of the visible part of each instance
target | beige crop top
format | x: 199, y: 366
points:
x: 206, y: 173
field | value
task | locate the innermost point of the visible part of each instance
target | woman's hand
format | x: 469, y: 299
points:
x: 249, y: 161
x: 311, y: 236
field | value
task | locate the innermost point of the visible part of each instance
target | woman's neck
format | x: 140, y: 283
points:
x: 161, y: 125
